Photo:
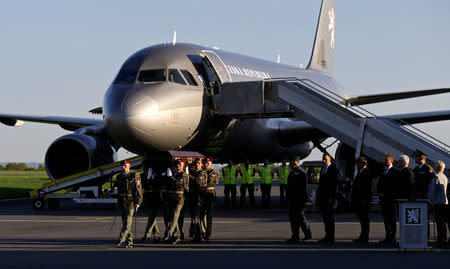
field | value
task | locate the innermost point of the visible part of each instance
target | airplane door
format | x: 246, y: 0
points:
x: 219, y: 67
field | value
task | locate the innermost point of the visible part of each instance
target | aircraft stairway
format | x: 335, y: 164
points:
x: 105, y: 171
x: 306, y: 100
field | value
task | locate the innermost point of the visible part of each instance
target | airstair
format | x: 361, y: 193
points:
x: 306, y: 100
x: 48, y: 190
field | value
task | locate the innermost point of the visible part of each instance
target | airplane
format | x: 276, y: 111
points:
x: 164, y: 98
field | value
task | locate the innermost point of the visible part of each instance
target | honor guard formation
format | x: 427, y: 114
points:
x: 174, y: 182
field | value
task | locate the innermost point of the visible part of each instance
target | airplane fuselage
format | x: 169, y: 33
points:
x: 163, y: 98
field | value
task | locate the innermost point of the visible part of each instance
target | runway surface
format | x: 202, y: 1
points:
x: 78, y: 237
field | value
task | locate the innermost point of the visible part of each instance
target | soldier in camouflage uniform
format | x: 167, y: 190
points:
x: 210, y: 197
x: 151, y: 181
x: 175, y: 201
x: 129, y: 198
x: 197, y: 184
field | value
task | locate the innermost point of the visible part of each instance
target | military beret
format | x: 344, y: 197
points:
x: 124, y: 162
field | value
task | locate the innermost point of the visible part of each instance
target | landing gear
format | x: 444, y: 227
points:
x: 38, y: 203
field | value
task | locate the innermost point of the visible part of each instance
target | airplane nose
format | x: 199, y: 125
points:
x: 130, y: 117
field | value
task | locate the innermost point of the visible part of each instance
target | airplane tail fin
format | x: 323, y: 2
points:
x: 322, y: 57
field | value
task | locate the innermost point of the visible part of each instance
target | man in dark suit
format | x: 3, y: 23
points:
x: 406, y: 184
x: 361, y: 198
x: 326, y: 194
x: 387, y: 191
x: 297, y: 196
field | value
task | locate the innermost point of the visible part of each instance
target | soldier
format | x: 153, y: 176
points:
x: 210, y: 197
x: 266, y: 172
x: 423, y: 174
x: 152, y: 199
x: 247, y: 173
x: 175, y: 201
x: 361, y: 197
x: 297, y: 196
x: 326, y: 195
x: 230, y: 173
x: 283, y: 173
x: 129, y: 189
x: 197, y: 181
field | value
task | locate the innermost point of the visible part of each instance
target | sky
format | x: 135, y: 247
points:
x: 59, y: 57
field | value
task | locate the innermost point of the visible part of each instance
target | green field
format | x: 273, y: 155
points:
x: 16, y: 184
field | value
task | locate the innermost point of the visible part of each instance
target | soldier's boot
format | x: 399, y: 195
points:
x: 119, y: 244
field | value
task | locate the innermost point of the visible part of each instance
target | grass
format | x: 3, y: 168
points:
x: 16, y: 184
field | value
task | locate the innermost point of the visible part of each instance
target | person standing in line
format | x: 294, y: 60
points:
x: 423, y: 174
x: 129, y: 188
x: 247, y: 173
x: 437, y: 194
x: 283, y: 174
x: 266, y: 172
x: 326, y: 195
x: 230, y: 173
x: 297, y: 197
x: 361, y: 198
x: 406, y: 184
x: 387, y: 189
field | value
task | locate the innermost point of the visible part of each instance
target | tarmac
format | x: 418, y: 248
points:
x: 76, y: 236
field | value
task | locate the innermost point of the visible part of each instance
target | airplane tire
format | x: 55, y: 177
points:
x: 38, y: 203
x: 53, y: 203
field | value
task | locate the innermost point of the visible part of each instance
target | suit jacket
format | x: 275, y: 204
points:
x: 388, y: 185
x: 422, y: 175
x: 296, y: 186
x: 406, y: 184
x: 362, y: 188
x: 327, y: 184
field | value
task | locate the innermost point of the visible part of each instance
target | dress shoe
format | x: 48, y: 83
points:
x: 293, y: 240
x: 326, y: 240
x: 308, y: 236
x: 361, y: 240
x: 119, y: 244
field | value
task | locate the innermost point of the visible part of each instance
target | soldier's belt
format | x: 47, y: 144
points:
x: 177, y: 192
x: 210, y: 188
x: 125, y: 195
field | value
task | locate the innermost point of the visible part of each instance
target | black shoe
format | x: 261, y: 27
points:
x: 386, y: 241
x: 156, y: 240
x: 145, y: 238
x: 293, y: 240
x: 326, y: 240
x: 129, y: 245
x: 307, y: 237
x: 119, y: 244
x: 361, y: 240
x: 196, y: 239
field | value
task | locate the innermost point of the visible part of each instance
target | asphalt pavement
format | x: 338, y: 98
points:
x: 76, y: 236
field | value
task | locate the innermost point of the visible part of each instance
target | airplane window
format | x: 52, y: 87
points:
x: 152, y: 75
x: 189, y: 78
x: 175, y: 76
x: 126, y: 76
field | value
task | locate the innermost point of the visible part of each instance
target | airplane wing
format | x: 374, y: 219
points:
x: 67, y: 123
x: 421, y: 117
x: 378, y: 98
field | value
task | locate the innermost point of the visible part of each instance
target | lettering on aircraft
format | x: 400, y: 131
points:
x: 332, y: 26
x: 175, y: 117
x: 235, y: 70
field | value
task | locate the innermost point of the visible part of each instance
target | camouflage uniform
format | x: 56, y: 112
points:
x: 210, y: 200
x: 197, y: 184
x: 153, y: 203
x: 175, y: 201
x: 130, y: 196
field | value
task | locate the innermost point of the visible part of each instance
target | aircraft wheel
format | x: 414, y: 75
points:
x: 38, y: 203
x: 53, y: 203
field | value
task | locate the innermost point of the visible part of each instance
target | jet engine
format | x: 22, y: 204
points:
x: 77, y: 152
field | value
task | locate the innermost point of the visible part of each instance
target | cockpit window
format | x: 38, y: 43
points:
x: 175, y: 76
x: 189, y: 78
x: 152, y: 75
x: 126, y: 76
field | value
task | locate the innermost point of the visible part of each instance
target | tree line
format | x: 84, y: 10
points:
x: 20, y: 167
